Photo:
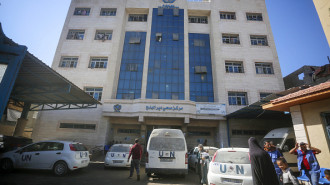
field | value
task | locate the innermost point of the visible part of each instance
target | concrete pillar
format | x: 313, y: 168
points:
x: 20, y: 126
x: 298, y: 124
x: 222, y: 136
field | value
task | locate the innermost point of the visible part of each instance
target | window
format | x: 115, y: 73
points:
x: 155, y: 95
x: 249, y: 132
x: 234, y: 67
x: 264, y: 68
x: 326, y: 121
x: 129, y: 96
x: 237, y: 98
x: 230, y: 38
x: 128, y: 131
x: 138, y: 17
x: 98, y: 62
x: 160, y: 11
x: 95, y: 92
x: 259, y: 40
x: 78, y: 126
x: 76, y: 35
x: 198, y: 19
x: 108, y: 12
x: 202, y: 99
x: 135, y: 40
x: 175, y: 36
x: 200, y: 69
x: 264, y: 95
x: 199, y: 42
x: 228, y: 15
x: 159, y: 37
x: 53, y: 146
x: 69, y: 62
x: 34, y: 147
x: 196, y: 133
x: 254, y: 16
x: 131, y: 67
x: 103, y: 35
x: 82, y: 11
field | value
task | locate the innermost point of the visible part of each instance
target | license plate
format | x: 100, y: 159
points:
x: 117, y: 161
x: 230, y: 181
x: 84, y: 161
x: 166, y: 160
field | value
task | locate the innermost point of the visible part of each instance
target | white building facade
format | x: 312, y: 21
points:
x: 163, y: 64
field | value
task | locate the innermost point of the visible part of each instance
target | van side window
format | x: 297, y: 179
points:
x: 289, y: 144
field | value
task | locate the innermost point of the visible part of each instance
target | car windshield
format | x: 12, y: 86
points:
x: 79, y: 147
x: 119, y: 148
x: 276, y: 141
x: 232, y: 157
x: 167, y: 144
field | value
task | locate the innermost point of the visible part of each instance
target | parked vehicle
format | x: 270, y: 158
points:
x: 192, y: 156
x: 167, y: 152
x: 117, y: 156
x: 284, y: 140
x: 8, y: 143
x: 59, y: 156
x: 230, y: 166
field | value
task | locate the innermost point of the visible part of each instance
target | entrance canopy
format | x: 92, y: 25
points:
x: 255, y: 110
x: 34, y: 83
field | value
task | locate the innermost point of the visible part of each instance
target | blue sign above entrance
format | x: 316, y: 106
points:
x: 168, y: 1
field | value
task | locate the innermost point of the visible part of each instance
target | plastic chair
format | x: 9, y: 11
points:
x: 303, y: 176
x: 322, y: 179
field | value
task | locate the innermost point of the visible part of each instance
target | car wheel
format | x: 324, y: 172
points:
x: 60, y: 168
x: 7, y: 165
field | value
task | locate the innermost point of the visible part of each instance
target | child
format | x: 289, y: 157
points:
x: 327, y: 174
x: 287, y: 177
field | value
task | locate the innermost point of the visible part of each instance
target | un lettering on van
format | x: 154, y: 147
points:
x: 172, y: 154
x: 225, y: 169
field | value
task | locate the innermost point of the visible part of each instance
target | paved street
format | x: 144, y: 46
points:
x: 93, y: 175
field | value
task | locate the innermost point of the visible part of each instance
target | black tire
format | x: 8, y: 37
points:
x: 6, y: 165
x: 60, y: 168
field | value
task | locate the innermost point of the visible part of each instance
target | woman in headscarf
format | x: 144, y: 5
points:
x: 263, y: 171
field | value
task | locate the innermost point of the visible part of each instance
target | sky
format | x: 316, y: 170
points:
x: 298, y: 34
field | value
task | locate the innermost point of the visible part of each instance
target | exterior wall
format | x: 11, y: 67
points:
x: 323, y: 9
x: 292, y: 80
x: 113, y: 112
x: 316, y: 129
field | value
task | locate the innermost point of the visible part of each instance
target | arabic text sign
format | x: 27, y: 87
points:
x: 211, y: 109
x: 163, y: 108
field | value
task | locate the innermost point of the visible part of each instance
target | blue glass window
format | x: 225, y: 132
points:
x: 166, y: 58
x: 130, y: 77
x: 200, y: 70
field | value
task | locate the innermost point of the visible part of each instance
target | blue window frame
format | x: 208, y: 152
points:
x: 130, y: 76
x: 166, y: 56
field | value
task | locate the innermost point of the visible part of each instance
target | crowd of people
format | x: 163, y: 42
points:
x: 269, y: 167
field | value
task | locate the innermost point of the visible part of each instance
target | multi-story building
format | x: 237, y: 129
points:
x: 163, y: 63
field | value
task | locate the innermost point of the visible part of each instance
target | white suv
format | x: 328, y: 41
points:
x: 59, y: 156
x: 230, y: 166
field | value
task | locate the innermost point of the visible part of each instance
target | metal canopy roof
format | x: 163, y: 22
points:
x: 255, y: 110
x: 44, y: 88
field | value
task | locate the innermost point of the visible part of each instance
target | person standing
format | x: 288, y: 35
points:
x: 136, y: 153
x: 200, y: 162
x: 263, y: 171
x: 287, y: 177
x: 307, y: 161
x: 274, y: 154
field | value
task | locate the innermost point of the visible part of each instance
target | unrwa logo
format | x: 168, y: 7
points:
x: 117, y: 108
x: 168, y: 1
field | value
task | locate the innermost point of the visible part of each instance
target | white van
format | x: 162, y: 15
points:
x: 166, y: 152
x: 284, y: 139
